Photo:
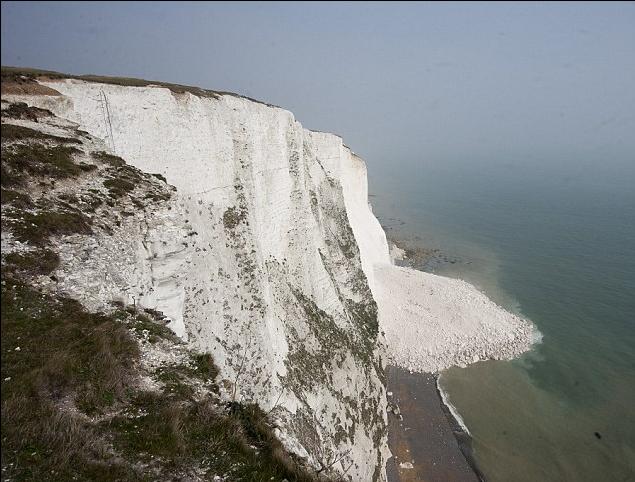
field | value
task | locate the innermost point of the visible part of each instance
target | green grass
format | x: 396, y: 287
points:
x: 27, y: 161
x: 70, y: 357
x: 40, y: 262
x: 11, y: 132
x: 143, y: 324
x: 123, y: 180
x: 199, y: 434
x: 36, y: 158
x: 176, y: 378
x: 175, y: 381
x: 54, y: 352
x: 110, y: 159
x: 14, y: 73
x: 36, y: 228
x: 119, y: 186
x: 204, y: 366
x: 63, y: 347
x: 16, y: 199
x: 20, y: 110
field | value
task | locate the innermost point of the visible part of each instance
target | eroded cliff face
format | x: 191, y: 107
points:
x: 264, y: 258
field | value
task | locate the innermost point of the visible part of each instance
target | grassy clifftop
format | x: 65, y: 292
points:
x: 12, y: 76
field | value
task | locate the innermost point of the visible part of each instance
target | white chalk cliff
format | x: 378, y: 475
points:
x: 271, y: 259
x: 270, y: 280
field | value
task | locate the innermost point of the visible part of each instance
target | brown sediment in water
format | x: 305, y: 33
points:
x: 425, y: 437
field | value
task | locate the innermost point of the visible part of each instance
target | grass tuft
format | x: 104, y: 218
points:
x: 205, y: 367
x: 21, y: 162
x: 110, y: 159
x: 238, y: 444
x: 155, y: 329
x: 118, y: 187
x: 55, y: 354
x: 37, y: 228
x: 16, y: 199
x: 20, y: 110
x: 12, y: 132
x: 40, y: 262
x: 233, y: 216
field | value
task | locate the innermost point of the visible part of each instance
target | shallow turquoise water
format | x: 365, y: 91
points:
x: 553, y: 240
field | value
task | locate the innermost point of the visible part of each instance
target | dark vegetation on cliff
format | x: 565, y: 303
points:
x: 78, y: 400
x: 72, y: 408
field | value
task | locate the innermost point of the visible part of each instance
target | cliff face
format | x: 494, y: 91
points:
x: 265, y: 258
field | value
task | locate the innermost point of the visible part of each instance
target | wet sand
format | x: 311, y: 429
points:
x: 426, y: 438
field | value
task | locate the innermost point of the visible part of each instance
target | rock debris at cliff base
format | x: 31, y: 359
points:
x: 432, y: 322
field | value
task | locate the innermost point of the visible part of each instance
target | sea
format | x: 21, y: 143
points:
x: 552, y: 239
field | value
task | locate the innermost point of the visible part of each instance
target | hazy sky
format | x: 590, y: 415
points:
x: 402, y: 83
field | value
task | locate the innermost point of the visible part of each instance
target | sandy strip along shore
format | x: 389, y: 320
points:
x: 426, y: 443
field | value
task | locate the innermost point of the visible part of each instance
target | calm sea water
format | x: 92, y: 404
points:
x: 553, y: 240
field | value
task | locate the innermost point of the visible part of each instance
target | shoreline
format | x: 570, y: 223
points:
x: 426, y: 441
x: 400, y: 383
x: 461, y: 432
x: 425, y: 420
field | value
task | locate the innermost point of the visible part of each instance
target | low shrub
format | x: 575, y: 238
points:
x: 109, y: 159
x: 40, y: 262
x: 20, y: 110
x: 22, y: 161
x: 12, y: 132
x: 36, y: 228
